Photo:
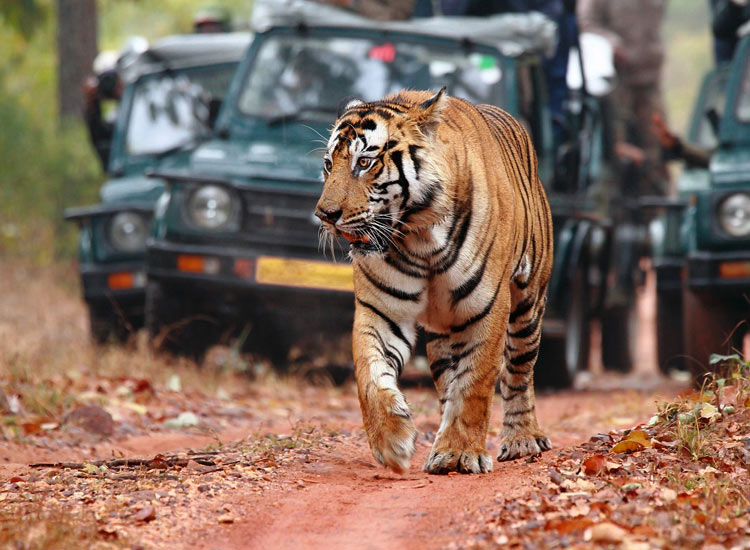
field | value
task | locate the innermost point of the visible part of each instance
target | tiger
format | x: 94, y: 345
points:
x: 450, y: 233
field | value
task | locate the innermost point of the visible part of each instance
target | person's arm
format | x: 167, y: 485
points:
x: 728, y: 16
x: 693, y: 156
x: 675, y: 148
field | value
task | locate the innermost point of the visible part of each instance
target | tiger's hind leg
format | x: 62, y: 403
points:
x: 521, y: 434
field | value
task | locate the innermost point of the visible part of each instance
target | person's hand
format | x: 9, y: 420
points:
x: 659, y: 128
x: 629, y: 152
x: 90, y: 88
x: 621, y: 56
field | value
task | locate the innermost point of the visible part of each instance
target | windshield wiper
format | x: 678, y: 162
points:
x: 296, y: 115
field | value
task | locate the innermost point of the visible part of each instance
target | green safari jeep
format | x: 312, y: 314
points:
x: 702, y: 242
x: 234, y: 248
x: 172, y: 93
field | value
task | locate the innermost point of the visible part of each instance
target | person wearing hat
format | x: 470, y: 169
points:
x: 210, y: 19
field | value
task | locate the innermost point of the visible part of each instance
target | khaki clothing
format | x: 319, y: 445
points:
x: 633, y: 27
x: 385, y: 10
x: 634, y: 107
x: 381, y: 10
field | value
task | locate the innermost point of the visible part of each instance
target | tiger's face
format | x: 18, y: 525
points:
x: 378, y: 178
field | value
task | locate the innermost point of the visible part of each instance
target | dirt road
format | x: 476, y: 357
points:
x: 328, y: 494
x: 346, y: 501
x: 283, y: 464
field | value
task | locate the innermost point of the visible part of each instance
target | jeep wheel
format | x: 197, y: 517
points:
x: 711, y: 326
x: 172, y: 325
x: 560, y: 358
x: 107, y: 324
x: 669, y: 340
x: 619, y: 334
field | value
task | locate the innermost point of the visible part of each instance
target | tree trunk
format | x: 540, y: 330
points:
x: 76, y: 50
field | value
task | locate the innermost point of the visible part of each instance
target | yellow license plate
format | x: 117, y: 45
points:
x: 304, y: 273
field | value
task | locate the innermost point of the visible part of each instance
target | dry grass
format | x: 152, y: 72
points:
x: 709, y: 428
x: 38, y: 526
x: 46, y: 355
x: 691, y: 420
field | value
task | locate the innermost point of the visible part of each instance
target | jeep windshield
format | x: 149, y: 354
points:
x: 307, y: 76
x: 170, y: 110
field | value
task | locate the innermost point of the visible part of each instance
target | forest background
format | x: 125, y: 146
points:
x: 47, y: 163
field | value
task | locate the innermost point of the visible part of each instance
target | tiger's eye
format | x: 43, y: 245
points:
x: 327, y: 165
x: 364, y: 162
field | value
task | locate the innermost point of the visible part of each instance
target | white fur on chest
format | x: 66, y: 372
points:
x: 437, y: 309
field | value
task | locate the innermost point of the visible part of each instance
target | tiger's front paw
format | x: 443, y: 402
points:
x: 443, y: 461
x: 517, y: 446
x: 391, y: 432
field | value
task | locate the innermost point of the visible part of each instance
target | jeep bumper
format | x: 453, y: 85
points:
x: 235, y: 283
x: 120, y: 281
x: 727, y: 271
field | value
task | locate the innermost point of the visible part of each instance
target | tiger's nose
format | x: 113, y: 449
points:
x: 330, y: 216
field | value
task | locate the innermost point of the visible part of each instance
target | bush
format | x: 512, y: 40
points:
x: 46, y: 166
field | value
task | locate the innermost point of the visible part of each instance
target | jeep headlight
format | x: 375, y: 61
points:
x: 128, y: 231
x: 212, y: 207
x: 734, y: 214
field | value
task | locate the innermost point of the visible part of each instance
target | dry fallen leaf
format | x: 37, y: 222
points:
x: 594, y: 465
x: 641, y: 437
x: 605, y: 532
x: 145, y: 514
x: 629, y: 544
x: 579, y: 510
x: 627, y: 446
x: 578, y: 485
x: 668, y: 494
x: 565, y: 526
x: 709, y: 412
x: 225, y: 518
x: 637, y: 440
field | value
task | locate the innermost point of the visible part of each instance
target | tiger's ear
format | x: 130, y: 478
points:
x: 427, y: 113
x: 349, y: 102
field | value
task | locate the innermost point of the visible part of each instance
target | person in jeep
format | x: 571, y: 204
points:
x: 101, y: 86
x: 212, y: 19
x: 633, y: 27
x: 728, y: 17
x: 380, y: 10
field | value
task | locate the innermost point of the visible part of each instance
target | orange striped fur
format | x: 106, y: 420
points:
x: 451, y: 231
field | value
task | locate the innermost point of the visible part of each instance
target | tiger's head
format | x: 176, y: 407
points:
x: 382, y: 176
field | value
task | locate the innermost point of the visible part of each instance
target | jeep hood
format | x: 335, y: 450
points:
x: 243, y: 162
x: 131, y: 189
x: 731, y: 166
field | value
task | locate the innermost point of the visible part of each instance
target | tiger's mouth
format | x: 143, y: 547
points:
x: 362, y: 242
x: 355, y: 238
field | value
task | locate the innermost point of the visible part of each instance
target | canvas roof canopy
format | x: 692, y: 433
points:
x: 513, y: 34
x: 187, y: 50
